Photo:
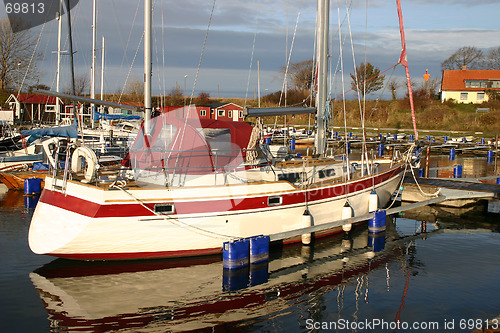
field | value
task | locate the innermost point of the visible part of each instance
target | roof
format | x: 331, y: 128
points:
x: 217, y: 105
x: 131, y: 103
x: 455, y: 79
x: 35, y: 99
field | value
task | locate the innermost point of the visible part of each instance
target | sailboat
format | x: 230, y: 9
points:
x: 189, y: 185
x: 160, y: 299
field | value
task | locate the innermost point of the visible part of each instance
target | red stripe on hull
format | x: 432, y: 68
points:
x: 137, y: 255
x: 94, y: 210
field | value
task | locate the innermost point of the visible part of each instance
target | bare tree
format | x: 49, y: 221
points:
x: 17, y: 60
x: 367, y: 79
x: 493, y: 59
x: 203, y: 98
x: 468, y: 56
x: 82, y: 84
x: 135, y: 88
x: 394, y: 86
x: 175, y: 96
x: 301, y: 74
x: 430, y: 88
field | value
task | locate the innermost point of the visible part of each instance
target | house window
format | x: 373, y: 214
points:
x: 463, y: 96
x: 241, y: 114
x: 480, y: 96
x: 230, y: 113
x: 221, y: 113
x: 203, y: 113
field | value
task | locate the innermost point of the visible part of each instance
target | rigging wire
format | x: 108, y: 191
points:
x: 124, y: 58
x: 361, y: 109
x: 202, y: 52
x: 284, y: 87
x: 348, y: 169
x: 252, y: 54
x: 196, y: 80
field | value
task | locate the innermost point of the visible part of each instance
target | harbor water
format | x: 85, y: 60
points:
x: 434, y: 269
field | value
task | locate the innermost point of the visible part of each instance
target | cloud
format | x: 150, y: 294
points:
x: 433, y: 34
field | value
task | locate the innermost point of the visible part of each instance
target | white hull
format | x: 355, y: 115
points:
x: 88, y: 222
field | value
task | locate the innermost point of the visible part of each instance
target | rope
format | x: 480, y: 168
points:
x: 435, y: 194
x: 252, y: 143
x: 172, y: 220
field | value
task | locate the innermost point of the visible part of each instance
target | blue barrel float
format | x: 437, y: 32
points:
x: 380, y: 149
x: 452, y: 154
x: 489, y: 156
x: 376, y: 241
x: 259, y: 273
x: 30, y: 201
x: 235, y: 279
x: 235, y: 254
x: 32, y: 186
x: 457, y: 171
x: 377, y: 223
x: 259, y: 249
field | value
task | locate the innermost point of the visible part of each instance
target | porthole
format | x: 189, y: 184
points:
x: 275, y: 200
x: 166, y: 208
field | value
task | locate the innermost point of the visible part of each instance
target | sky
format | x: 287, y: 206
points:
x: 270, y: 32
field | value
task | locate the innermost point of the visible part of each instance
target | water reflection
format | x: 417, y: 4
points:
x: 11, y: 199
x: 473, y: 167
x: 199, y: 293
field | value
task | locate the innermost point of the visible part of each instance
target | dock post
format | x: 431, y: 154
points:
x: 452, y: 154
x: 427, y: 164
x: 489, y: 156
x: 380, y: 149
x: 457, y: 171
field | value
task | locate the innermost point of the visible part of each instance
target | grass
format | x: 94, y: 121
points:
x: 430, y: 115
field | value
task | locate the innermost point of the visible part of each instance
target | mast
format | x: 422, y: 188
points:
x: 322, y: 67
x: 102, y: 69
x: 258, y: 81
x: 403, y: 60
x: 147, y: 66
x: 58, y: 89
x: 92, y: 69
x: 70, y: 37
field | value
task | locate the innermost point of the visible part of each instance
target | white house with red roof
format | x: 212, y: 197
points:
x: 216, y: 111
x: 469, y: 86
x: 34, y: 107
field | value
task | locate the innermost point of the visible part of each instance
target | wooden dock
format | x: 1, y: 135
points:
x: 473, y: 191
x: 451, y: 192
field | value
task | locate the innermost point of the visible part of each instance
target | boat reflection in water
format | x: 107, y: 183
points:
x: 199, y: 293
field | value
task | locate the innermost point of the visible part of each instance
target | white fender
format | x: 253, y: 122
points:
x: 91, y: 160
x: 307, y: 221
x: 347, y: 213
